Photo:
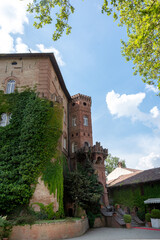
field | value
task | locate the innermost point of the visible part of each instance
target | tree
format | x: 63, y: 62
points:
x: 112, y: 163
x: 141, y: 18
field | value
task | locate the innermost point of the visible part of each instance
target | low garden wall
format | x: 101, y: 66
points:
x: 50, y: 231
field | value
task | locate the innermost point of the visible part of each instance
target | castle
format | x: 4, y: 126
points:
x: 41, y: 70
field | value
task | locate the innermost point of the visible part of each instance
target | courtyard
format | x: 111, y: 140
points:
x: 119, y: 233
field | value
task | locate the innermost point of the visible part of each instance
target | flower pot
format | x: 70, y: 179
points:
x: 5, y: 238
x: 155, y: 222
x: 128, y: 225
x: 149, y: 224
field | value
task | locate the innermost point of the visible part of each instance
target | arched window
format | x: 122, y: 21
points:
x: 5, y: 119
x: 10, y: 86
x: 85, y: 120
x: 86, y: 144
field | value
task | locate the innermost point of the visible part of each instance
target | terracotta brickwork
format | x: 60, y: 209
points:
x: 80, y: 123
x: 35, y: 71
x: 50, y: 231
x: 30, y: 70
x: 40, y: 70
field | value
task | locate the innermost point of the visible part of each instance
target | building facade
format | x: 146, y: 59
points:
x: 41, y: 71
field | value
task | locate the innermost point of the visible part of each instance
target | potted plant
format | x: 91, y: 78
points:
x: 155, y: 218
x: 148, y: 219
x: 127, y: 219
x: 5, y: 228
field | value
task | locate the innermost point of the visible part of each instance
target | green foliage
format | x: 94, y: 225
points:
x: 25, y: 219
x: 148, y: 217
x: 5, y: 227
x: 134, y: 196
x: 155, y: 213
x: 141, y: 18
x: 82, y: 187
x: 44, y: 9
x: 27, y: 145
x: 127, y: 218
x: 47, y: 210
x: 53, y: 178
x: 141, y: 215
x: 112, y: 163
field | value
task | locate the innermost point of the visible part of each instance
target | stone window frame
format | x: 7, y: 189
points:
x: 5, y: 82
x: 74, y: 119
x: 85, y: 120
x: 74, y: 147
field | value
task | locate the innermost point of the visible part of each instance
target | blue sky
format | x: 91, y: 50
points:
x: 125, y: 112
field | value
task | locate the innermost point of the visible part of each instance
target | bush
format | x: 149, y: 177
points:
x: 148, y: 217
x: 23, y: 220
x: 141, y: 215
x: 155, y: 213
x: 127, y: 218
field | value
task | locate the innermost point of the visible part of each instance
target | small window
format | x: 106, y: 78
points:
x: 10, y: 86
x: 86, y: 144
x: 84, y: 103
x: 65, y: 143
x: 73, y: 104
x: 74, y: 147
x: 14, y: 63
x: 85, y: 121
x: 5, y: 119
x: 74, y: 122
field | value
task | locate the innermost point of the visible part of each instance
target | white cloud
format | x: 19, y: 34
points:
x: 128, y: 106
x: 57, y: 54
x: 124, y: 105
x: 150, y: 161
x: 13, y: 15
x: 151, y: 88
x: 155, y: 112
x: 20, y: 46
x: 6, y: 42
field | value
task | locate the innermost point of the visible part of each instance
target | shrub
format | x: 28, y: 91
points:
x: 127, y: 218
x: 155, y: 213
x: 141, y: 215
x: 23, y: 220
x: 148, y: 217
x: 5, y: 227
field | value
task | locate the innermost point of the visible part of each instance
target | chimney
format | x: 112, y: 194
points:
x: 120, y: 164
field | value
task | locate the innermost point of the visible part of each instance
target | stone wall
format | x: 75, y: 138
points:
x: 50, y: 231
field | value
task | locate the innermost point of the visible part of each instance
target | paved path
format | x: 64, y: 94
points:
x: 119, y: 233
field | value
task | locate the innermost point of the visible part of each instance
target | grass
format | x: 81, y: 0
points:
x: 57, y: 220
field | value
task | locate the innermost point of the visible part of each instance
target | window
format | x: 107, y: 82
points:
x: 85, y: 121
x: 65, y: 143
x: 74, y: 122
x: 10, y: 86
x: 74, y: 147
x: 5, y: 119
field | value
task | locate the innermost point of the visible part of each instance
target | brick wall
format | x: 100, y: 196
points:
x: 50, y: 231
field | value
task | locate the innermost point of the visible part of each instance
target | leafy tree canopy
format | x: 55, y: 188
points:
x: 112, y: 163
x: 141, y: 18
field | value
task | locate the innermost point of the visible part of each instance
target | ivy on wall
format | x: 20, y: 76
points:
x: 27, y: 145
x: 136, y: 195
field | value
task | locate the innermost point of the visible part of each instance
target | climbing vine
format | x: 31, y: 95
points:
x: 27, y: 145
x: 53, y: 178
x: 136, y: 195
